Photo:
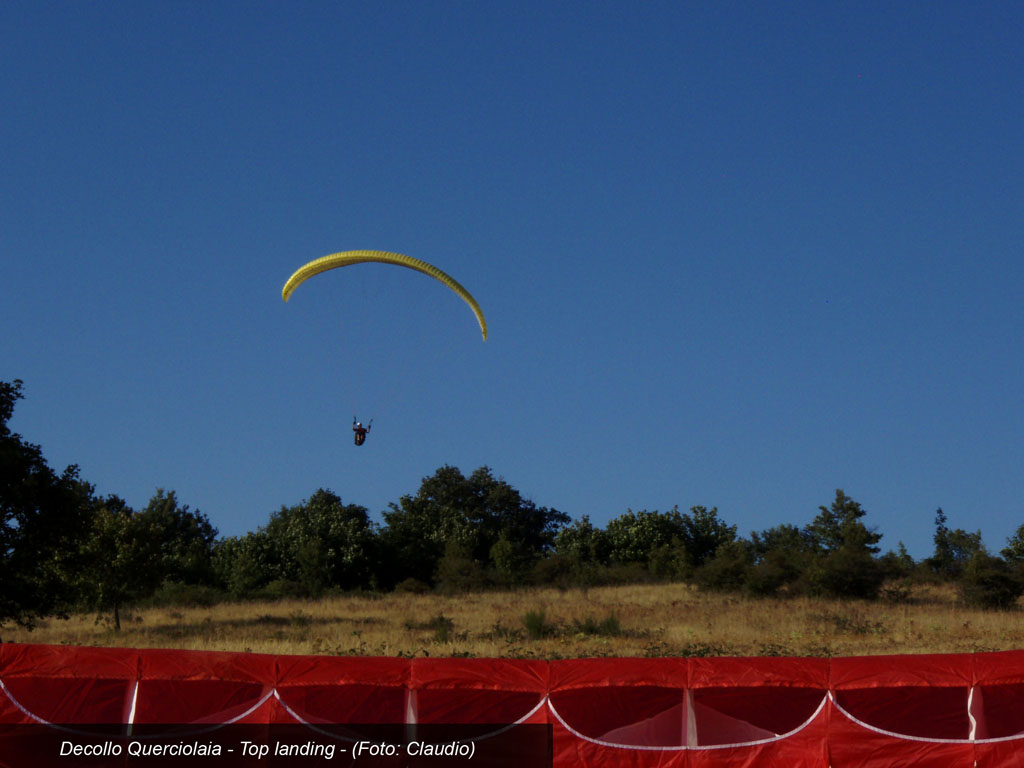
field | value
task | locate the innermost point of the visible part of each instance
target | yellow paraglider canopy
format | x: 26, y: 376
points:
x: 347, y: 258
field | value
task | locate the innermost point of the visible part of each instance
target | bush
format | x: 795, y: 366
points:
x: 669, y: 561
x: 989, y: 582
x: 457, y: 571
x: 557, y: 571
x: 727, y: 570
x: 846, y: 572
x: 765, y: 579
x: 537, y: 626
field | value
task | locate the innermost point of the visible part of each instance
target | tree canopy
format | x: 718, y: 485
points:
x: 42, y: 516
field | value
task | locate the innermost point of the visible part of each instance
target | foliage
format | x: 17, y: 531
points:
x: 849, y: 571
x: 119, y: 552
x: 989, y: 582
x: 953, y: 549
x: 840, y: 524
x: 704, y: 533
x: 560, y: 571
x: 42, y: 517
x: 1014, y: 550
x: 241, y: 563
x: 183, y: 540
x: 457, y: 571
x: 537, y: 625
x: 781, y: 556
x: 898, y: 564
x: 582, y: 544
x: 670, y: 561
x: 693, y: 537
x: 321, y: 543
x: 633, y: 536
x: 727, y: 570
x: 475, y: 512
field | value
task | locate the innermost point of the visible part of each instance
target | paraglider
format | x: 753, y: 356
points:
x: 348, y: 258
x: 360, y: 430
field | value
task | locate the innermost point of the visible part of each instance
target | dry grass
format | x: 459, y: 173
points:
x: 648, y: 620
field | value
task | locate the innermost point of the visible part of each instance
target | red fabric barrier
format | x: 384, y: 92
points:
x: 868, y: 712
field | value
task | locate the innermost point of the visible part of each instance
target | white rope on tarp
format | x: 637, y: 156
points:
x: 681, y: 747
x: 131, y: 716
x: 410, y: 721
x: 830, y: 696
x: 929, y: 739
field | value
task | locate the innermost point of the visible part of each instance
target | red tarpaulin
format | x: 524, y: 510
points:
x: 874, y: 711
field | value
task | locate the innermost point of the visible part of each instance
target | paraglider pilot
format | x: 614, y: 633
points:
x: 360, y: 430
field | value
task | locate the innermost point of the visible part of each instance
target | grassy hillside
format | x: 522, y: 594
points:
x: 649, y: 620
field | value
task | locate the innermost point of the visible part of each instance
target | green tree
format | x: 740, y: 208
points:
x: 417, y: 529
x: 321, y: 543
x: 990, y: 582
x: 474, y: 512
x: 43, y: 516
x: 633, y: 537
x: 1014, y: 551
x: 840, y: 524
x: 583, y: 544
x: 242, y: 563
x: 728, y: 569
x: 184, y: 540
x: 119, y: 556
x: 781, y: 557
x: 457, y: 571
x: 703, y: 533
x: 849, y: 570
x: 953, y: 549
x: 498, y: 510
x: 670, y: 561
x: 511, y: 560
x: 898, y: 564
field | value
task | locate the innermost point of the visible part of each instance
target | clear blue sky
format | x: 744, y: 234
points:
x: 731, y: 254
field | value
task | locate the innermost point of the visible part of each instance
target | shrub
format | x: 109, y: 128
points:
x: 537, y: 626
x: 845, y: 572
x: 727, y: 570
x: 557, y: 571
x: 670, y: 561
x: 457, y: 571
x: 989, y: 582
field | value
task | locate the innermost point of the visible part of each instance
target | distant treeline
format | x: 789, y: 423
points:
x: 63, y: 548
